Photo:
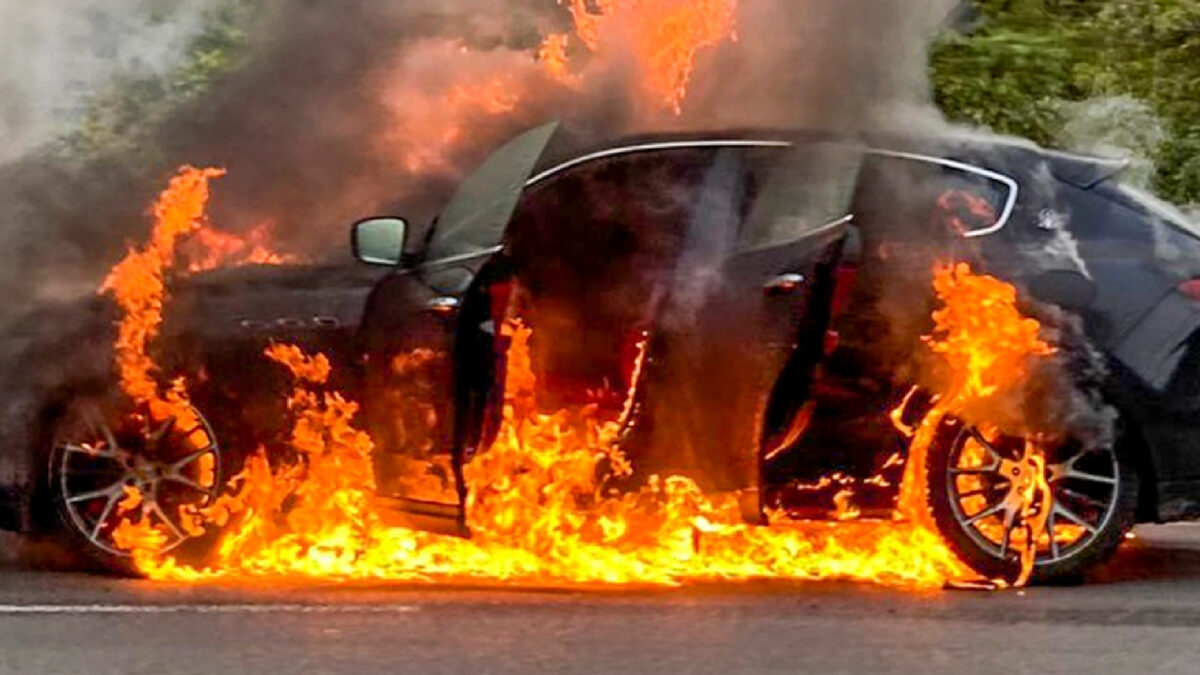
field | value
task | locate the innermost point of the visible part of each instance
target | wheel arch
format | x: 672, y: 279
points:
x: 27, y: 423
x: 1135, y: 449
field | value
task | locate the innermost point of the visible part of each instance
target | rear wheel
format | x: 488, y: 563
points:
x: 109, y: 464
x: 990, y: 496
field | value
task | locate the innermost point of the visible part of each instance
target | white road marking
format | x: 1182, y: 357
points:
x: 206, y: 609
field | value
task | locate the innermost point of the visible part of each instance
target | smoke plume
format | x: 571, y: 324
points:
x: 336, y: 110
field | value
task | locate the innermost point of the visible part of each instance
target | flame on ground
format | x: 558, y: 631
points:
x: 539, y: 511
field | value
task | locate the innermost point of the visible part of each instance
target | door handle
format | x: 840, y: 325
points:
x: 784, y: 284
x: 443, y: 305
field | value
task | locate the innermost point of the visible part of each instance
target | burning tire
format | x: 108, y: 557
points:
x: 989, y: 497
x: 109, y: 466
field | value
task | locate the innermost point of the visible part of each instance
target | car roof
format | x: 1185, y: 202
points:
x: 986, y: 150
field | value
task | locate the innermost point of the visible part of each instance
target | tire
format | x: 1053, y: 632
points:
x: 1091, y: 513
x: 102, y: 446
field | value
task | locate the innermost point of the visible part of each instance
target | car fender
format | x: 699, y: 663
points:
x: 1155, y: 346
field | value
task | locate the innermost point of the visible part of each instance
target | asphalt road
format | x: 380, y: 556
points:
x: 1141, y: 614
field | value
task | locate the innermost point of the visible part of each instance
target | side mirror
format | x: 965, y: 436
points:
x: 379, y: 241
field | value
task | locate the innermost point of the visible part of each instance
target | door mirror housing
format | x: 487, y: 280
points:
x: 379, y: 241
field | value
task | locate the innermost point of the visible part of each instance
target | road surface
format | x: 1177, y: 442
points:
x: 1141, y: 614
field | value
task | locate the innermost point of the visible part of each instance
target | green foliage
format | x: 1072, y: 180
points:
x: 120, y: 118
x: 1023, y: 61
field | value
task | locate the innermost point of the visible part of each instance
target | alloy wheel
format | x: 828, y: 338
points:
x: 999, y: 487
x: 112, y: 467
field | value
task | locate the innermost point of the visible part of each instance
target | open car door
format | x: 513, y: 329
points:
x: 422, y: 337
x: 737, y: 340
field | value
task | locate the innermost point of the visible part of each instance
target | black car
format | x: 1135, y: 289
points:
x: 757, y: 270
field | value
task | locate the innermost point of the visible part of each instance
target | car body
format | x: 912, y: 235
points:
x: 732, y: 259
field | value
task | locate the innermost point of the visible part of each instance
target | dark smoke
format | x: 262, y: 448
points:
x: 316, y: 123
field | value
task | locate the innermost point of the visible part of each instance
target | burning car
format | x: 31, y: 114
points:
x: 748, y: 306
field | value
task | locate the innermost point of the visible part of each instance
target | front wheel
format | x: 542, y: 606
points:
x: 110, y: 464
x: 990, y: 496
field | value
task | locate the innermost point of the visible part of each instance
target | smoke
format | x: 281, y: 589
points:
x: 852, y: 65
x: 1119, y: 127
x: 339, y: 109
x: 54, y: 54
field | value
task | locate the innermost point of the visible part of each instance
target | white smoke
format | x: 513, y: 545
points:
x: 55, y: 54
x: 1116, y: 127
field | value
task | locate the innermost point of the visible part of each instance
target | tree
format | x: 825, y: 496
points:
x: 124, y: 114
x: 1025, y: 66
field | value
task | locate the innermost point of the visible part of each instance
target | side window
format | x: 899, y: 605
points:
x: 593, y: 249
x: 599, y: 221
x: 911, y: 197
x: 793, y: 191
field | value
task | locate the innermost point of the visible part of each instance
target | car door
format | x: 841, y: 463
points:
x: 910, y: 211
x: 735, y: 345
x: 422, y: 330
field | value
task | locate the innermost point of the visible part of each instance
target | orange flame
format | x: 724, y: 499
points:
x: 139, y: 287
x: 538, y: 509
x: 431, y: 125
x: 665, y: 37
x: 208, y: 249
x: 986, y: 347
x: 553, y: 56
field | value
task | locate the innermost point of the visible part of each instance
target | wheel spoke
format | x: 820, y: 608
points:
x: 108, y: 509
x: 96, y: 494
x: 1073, y: 517
x: 86, y: 449
x: 973, y: 471
x: 184, y: 480
x: 1090, y: 501
x: 1050, y: 532
x: 986, y: 513
x: 100, y: 425
x: 1006, y: 539
x: 1072, y: 474
x: 157, y: 511
x: 177, y: 466
x: 986, y: 445
x: 162, y: 431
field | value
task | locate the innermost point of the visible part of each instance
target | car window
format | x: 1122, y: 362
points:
x: 610, y: 216
x: 654, y: 200
x: 593, y: 247
x: 475, y: 218
x: 923, y: 198
x: 794, y: 191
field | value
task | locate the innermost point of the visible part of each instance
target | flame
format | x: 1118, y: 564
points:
x: 432, y: 124
x: 539, y: 509
x: 986, y: 347
x: 208, y: 248
x: 139, y: 286
x: 665, y: 37
x: 434, y: 119
x: 553, y: 56
x: 964, y: 211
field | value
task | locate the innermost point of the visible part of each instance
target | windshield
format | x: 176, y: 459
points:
x: 1160, y: 209
x: 475, y: 218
